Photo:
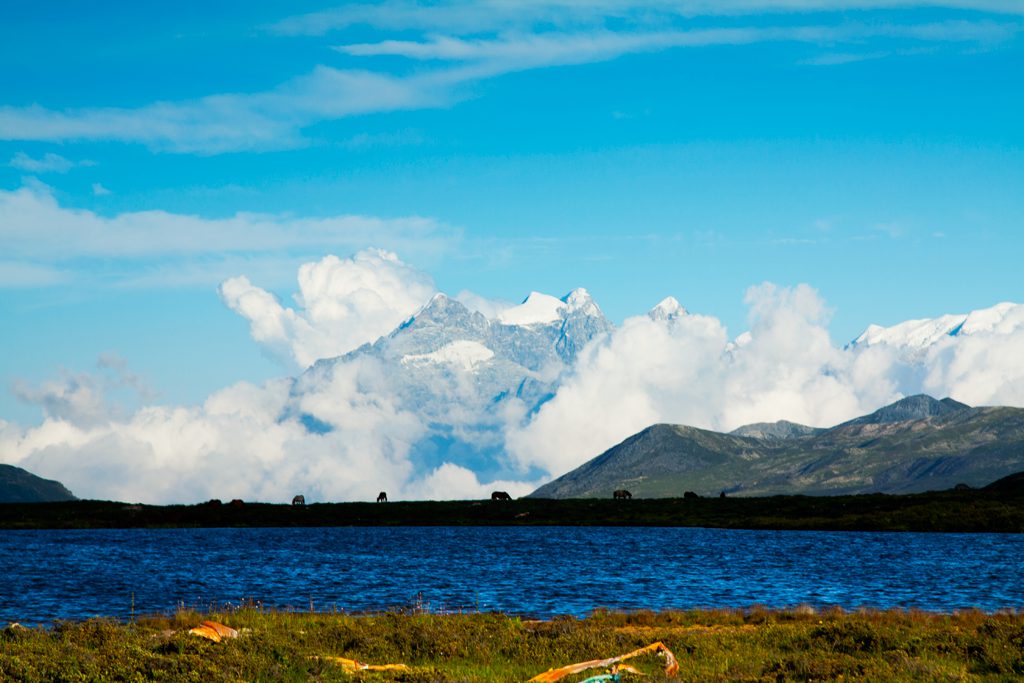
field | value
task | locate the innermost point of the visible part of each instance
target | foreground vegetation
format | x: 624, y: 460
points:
x: 747, y: 645
x: 994, y: 509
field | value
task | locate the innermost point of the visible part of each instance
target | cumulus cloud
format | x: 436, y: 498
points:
x: 246, y: 441
x: 346, y: 430
x: 342, y: 304
x: 687, y: 371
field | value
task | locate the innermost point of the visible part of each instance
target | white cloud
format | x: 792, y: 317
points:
x: 48, y: 163
x: 786, y: 367
x: 220, y: 123
x: 245, y: 441
x: 499, y: 15
x: 346, y: 431
x: 15, y: 274
x: 158, y: 248
x: 99, y: 191
x: 342, y: 304
x: 496, y: 37
x: 518, y: 51
x: 452, y: 482
x: 489, y: 308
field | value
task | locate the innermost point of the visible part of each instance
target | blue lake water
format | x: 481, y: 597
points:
x: 53, y: 574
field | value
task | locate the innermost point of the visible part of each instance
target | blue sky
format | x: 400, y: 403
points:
x: 871, y: 149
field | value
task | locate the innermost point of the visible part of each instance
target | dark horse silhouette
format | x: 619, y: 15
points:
x: 622, y: 493
x: 500, y: 495
x: 382, y: 497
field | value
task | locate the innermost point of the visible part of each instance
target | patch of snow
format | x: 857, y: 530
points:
x: 912, y: 334
x: 462, y: 354
x: 537, y: 309
x: 579, y: 299
x: 668, y: 308
x: 1002, y: 318
x: 916, y: 335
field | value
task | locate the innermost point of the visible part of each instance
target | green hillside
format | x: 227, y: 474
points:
x: 914, y: 445
x: 20, y: 486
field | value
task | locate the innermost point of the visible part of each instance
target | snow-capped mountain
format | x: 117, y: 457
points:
x: 462, y: 372
x: 914, y: 337
x: 667, y: 309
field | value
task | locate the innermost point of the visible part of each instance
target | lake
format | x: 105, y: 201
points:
x: 534, y: 571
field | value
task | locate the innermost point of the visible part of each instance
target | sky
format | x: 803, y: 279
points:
x: 868, y: 149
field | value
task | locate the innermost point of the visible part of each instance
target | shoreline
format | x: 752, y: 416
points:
x: 957, y: 511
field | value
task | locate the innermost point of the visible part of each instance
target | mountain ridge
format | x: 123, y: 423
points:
x: 936, y: 445
x: 18, y: 485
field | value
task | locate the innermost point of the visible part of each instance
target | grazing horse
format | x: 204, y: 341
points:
x: 382, y: 497
x: 500, y: 495
x: 621, y: 494
x: 299, y: 500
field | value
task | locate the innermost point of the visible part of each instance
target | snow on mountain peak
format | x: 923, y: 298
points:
x: 668, y: 308
x: 536, y: 309
x: 1002, y: 318
x: 580, y: 300
x: 917, y: 335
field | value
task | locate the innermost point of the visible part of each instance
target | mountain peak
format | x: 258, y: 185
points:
x: 783, y: 429
x: 536, y: 309
x: 915, y: 336
x: 915, y: 407
x: 577, y: 297
x: 668, y: 308
x: 580, y: 300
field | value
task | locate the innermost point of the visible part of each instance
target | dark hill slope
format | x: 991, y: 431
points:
x: 20, y: 486
x: 917, y: 444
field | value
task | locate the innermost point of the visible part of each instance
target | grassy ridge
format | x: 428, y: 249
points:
x: 966, y: 511
x: 749, y: 645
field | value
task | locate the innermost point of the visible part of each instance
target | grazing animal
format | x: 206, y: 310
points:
x: 690, y: 495
x: 621, y: 494
x: 299, y: 500
x: 500, y: 495
x: 382, y: 497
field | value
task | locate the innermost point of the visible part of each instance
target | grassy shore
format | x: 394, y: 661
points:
x: 746, y: 645
x: 975, y: 510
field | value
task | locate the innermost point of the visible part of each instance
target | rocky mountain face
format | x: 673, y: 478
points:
x: 20, y: 486
x: 916, y: 444
x: 447, y: 350
x: 460, y: 370
x: 783, y: 429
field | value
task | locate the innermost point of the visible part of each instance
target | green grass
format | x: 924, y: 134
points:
x: 711, y: 645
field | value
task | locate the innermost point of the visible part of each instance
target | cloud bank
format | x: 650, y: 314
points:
x: 343, y: 303
x: 348, y: 433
